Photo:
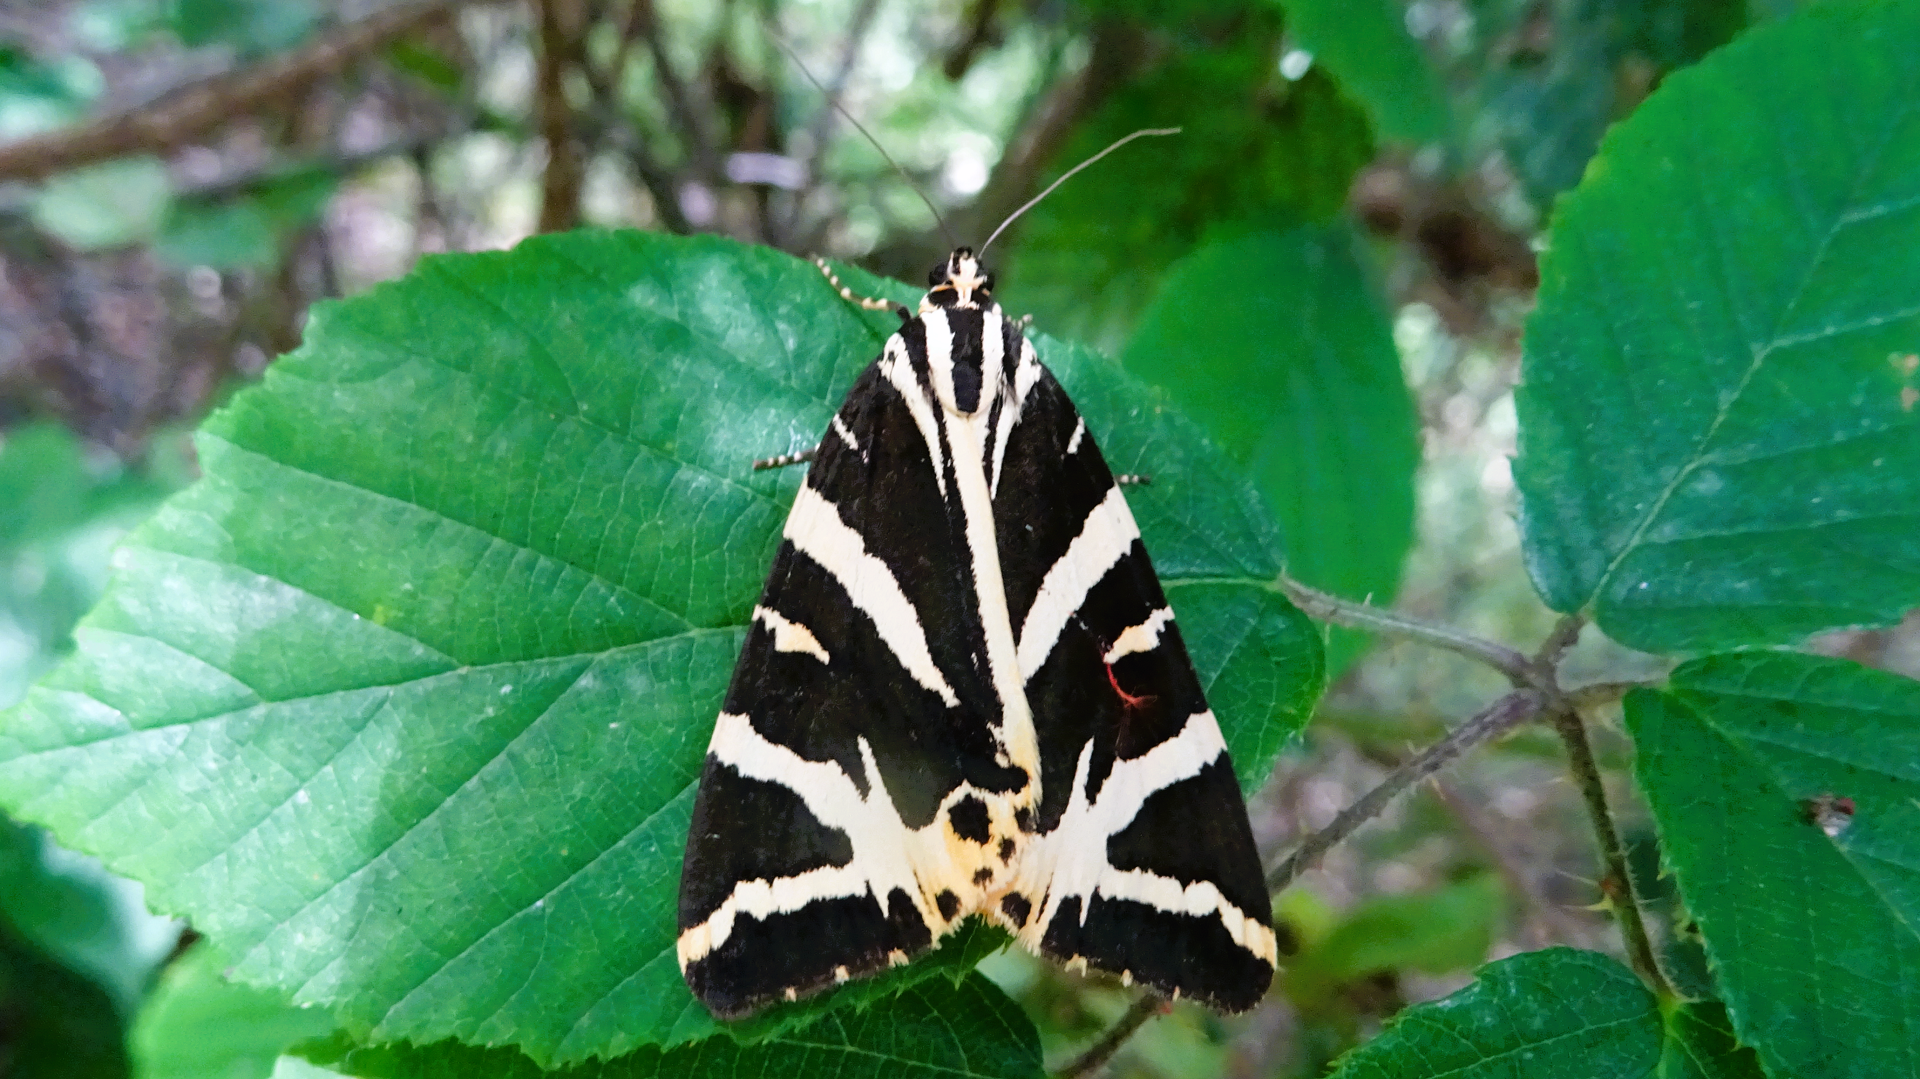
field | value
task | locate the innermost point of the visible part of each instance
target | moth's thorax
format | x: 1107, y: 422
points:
x: 959, y: 281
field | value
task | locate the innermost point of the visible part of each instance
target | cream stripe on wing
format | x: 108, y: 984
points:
x: 1144, y: 637
x: 895, y: 364
x: 790, y: 636
x: 939, y: 332
x: 883, y: 854
x: 1072, y: 860
x: 816, y: 530
x: 1105, y: 538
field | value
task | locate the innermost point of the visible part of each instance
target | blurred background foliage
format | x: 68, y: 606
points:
x: 1327, y: 270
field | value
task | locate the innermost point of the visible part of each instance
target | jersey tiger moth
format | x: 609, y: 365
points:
x: 963, y: 692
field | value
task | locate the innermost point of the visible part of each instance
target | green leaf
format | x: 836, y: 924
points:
x: 250, y: 26
x: 1718, y: 437
x: 60, y: 1024
x: 1366, y: 46
x: 936, y: 1030
x: 1553, y: 1014
x: 77, y: 914
x: 1434, y: 932
x: 108, y: 205
x: 1281, y: 346
x: 452, y: 609
x: 200, y: 1025
x: 66, y: 507
x: 1813, y: 937
x: 1265, y: 152
x: 1700, y: 1044
x: 231, y: 235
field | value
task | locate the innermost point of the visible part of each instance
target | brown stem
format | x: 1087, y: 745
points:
x: 1331, y: 608
x: 1096, y: 1057
x: 559, y: 49
x: 1496, y: 719
x: 195, y: 110
x: 1618, y: 882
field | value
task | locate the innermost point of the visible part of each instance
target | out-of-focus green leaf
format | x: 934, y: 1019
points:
x: 250, y: 26
x: 1551, y: 77
x: 1700, y: 1044
x: 1365, y: 44
x: 935, y: 1030
x: 1553, y: 1014
x: 1719, y: 444
x: 65, y: 508
x: 1281, y: 347
x: 244, y: 230
x: 427, y: 64
x: 36, y: 95
x: 1262, y: 152
x: 1434, y: 932
x: 200, y: 1025
x: 404, y: 701
x: 59, y: 1024
x: 1809, y: 911
x: 108, y: 205
x: 77, y: 914
x: 225, y: 236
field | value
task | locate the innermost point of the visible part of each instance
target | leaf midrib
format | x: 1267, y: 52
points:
x: 1775, y: 339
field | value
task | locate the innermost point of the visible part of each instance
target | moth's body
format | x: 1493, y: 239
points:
x: 963, y: 693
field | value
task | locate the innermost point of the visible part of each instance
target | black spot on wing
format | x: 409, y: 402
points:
x: 1194, y: 955
x: 747, y: 829
x: 1018, y: 908
x: 948, y: 904
x: 799, y: 950
x: 982, y: 876
x: 1196, y: 830
x: 969, y: 819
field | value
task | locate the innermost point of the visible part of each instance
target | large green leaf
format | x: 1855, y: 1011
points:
x: 1700, y: 1044
x: 77, y: 914
x: 65, y: 507
x: 1813, y: 937
x: 403, y: 702
x: 1554, y: 1014
x: 1265, y: 150
x: 1718, y: 438
x: 935, y: 1030
x: 200, y: 1025
x: 1366, y: 45
x: 1281, y: 347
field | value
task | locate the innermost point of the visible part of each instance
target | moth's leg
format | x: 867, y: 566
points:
x: 866, y: 302
x: 786, y: 459
x: 1133, y: 479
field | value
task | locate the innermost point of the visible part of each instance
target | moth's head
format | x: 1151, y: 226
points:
x: 959, y: 281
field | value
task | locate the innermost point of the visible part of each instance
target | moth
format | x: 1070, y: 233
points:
x: 963, y: 693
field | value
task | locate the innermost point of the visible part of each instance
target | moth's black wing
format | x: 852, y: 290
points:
x: 856, y: 715
x: 1144, y: 863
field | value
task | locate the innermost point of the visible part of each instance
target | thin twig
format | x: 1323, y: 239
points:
x: 1496, y: 719
x: 1618, y: 883
x: 1096, y: 1057
x: 1564, y: 635
x: 192, y: 111
x: 1330, y: 608
x: 565, y: 171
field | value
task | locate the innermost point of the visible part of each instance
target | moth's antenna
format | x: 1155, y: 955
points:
x: 1069, y: 175
x: 841, y: 109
